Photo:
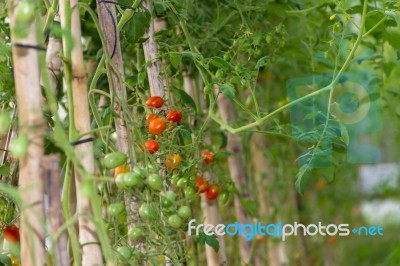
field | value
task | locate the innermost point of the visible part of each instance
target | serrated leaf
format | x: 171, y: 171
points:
x: 220, y: 62
x: 212, y: 241
x: 327, y: 173
x: 135, y: 28
x: 185, y: 98
x: 302, y: 178
x: 175, y: 59
x: 263, y: 61
x: 228, y: 90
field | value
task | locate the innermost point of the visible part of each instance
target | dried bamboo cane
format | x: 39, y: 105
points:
x: 31, y: 123
x: 88, y: 238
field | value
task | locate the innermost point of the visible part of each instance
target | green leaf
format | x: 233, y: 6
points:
x: 220, y: 62
x: 185, y: 98
x: 5, y: 260
x: 228, y: 90
x: 212, y: 241
x: 137, y: 25
x: 388, y: 68
x: 250, y: 206
x: 327, y: 173
x: 5, y: 169
x: 344, y: 134
x: 263, y: 61
x: 175, y: 59
x: 302, y: 178
x: 393, y: 38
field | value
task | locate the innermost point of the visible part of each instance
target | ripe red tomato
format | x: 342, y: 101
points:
x: 174, y: 116
x: 157, y: 126
x: 212, y: 192
x: 201, y: 185
x: 173, y: 161
x: 11, y: 233
x: 155, y: 101
x: 150, y: 117
x: 152, y: 146
x: 121, y: 169
x: 208, y: 156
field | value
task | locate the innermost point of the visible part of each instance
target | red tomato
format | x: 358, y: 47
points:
x: 11, y: 233
x: 121, y: 169
x: 157, y: 126
x: 150, y: 117
x: 152, y: 146
x: 208, y: 156
x: 173, y: 161
x: 212, y: 192
x: 174, y: 116
x: 154, y: 101
x: 201, y: 185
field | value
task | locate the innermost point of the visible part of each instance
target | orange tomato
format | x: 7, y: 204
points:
x: 173, y: 161
x: 121, y: 169
x: 157, y: 126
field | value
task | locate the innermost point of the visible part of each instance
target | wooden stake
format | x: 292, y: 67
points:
x: 31, y: 123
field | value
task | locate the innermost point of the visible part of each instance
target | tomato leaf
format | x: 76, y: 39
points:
x: 136, y: 26
x: 228, y: 90
x: 220, y: 62
x: 302, y: 178
x: 212, y: 241
x: 175, y: 59
x: 185, y: 98
x: 5, y: 169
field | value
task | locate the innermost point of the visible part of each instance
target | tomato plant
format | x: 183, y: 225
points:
x: 155, y: 101
x: 11, y: 233
x: 174, y: 116
x: 157, y: 126
x: 212, y: 192
x: 114, y: 159
x: 208, y: 156
x: 152, y: 146
x: 173, y: 161
x: 24, y: 12
x: 201, y: 185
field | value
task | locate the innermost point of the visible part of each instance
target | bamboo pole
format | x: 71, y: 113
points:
x: 31, y: 123
x: 88, y: 238
x: 237, y: 170
x: 264, y: 178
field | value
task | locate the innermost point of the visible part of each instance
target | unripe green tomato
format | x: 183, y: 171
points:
x: 207, y: 89
x: 155, y: 181
x: 182, y: 182
x: 120, y: 181
x: 115, y: 209
x: 135, y: 233
x: 190, y: 192
x: 175, y: 221
x: 133, y: 179
x: 184, y: 212
x: 219, y: 74
x: 174, y: 179
x: 168, y: 199
x: 24, y: 12
x: 224, y: 198
x: 19, y: 146
x: 147, y: 211
x: 114, y: 159
x: 5, y: 122
x: 125, y: 252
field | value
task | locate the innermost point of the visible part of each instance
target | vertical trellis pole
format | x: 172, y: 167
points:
x: 31, y: 123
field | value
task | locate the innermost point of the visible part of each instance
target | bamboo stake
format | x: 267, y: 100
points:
x: 237, y: 169
x: 31, y: 123
x: 88, y: 238
x: 52, y: 174
x: 264, y: 178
